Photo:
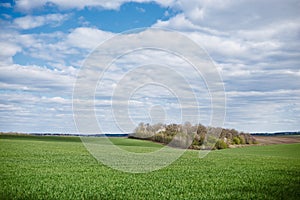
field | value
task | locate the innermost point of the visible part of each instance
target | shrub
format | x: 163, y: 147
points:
x: 159, y: 137
x: 236, y: 140
x: 242, y: 139
x: 196, y: 140
x: 211, y: 139
x: 249, y: 139
x: 195, y: 143
x: 167, y: 139
x: 229, y: 142
x: 221, y: 144
x: 178, y: 141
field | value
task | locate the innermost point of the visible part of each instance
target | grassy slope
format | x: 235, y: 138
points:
x: 61, y: 168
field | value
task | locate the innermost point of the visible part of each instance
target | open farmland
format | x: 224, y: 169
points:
x: 37, y: 167
x: 278, y: 139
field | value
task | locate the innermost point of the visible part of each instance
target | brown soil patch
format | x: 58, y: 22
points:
x: 278, y: 139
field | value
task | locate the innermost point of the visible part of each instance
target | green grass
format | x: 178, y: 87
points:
x: 33, y: 167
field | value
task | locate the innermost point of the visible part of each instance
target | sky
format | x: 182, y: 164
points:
x: 46, y: 45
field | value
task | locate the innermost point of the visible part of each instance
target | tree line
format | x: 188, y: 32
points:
x: 191, y: 136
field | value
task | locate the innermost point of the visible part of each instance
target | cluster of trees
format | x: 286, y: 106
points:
x: 191, y: 136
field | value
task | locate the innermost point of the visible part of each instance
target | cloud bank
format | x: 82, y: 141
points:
x: 255, y: 45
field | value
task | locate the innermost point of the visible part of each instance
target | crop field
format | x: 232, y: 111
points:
x: 48, y: 167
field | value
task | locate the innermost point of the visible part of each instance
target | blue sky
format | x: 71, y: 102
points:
x: 254, y: 45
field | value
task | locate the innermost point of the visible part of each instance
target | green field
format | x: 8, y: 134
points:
x: 43, y: 167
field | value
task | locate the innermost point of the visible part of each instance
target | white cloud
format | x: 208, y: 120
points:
x: 27, y: 5
x: 5, y: 5
x: 8, y: 44
x: 236, y: 15
x: 30, y: 112
x: 56, y: 99
x: 255, y: 44
x: 278, y: 31
x: 178, y: 22
x: 128, y: 73
x: 29, y: 22
x: 257, y: 48
x: 262, y: 115
x: 277, y: 38
x: 35, y: 99
x: 10, y: 50
x: 87, y: 38
x: 60, y: 50
x: 267, y: 94
x: 35, y: 78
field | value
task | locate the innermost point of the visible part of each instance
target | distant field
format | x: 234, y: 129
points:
x: 278, y: 139
x: 37, y: 167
